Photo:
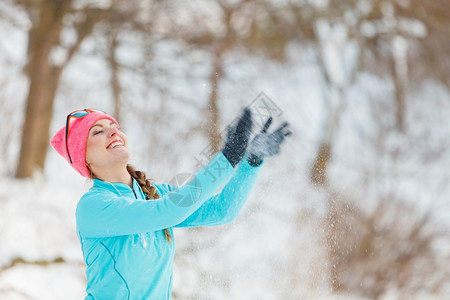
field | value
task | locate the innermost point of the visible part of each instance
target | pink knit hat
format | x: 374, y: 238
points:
x: 78, y: 134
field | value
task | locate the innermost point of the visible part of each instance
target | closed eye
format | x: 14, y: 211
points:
x: 98, y: 132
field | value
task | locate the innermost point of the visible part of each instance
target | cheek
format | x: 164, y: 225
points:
x: 124, y: 138
x: 88, y: 157
x: 92, y: 148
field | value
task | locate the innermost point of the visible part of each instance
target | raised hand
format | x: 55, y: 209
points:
x: 237, y: 138
x: 267, y: 144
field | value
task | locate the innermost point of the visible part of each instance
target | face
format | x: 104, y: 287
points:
x: 106, y: 146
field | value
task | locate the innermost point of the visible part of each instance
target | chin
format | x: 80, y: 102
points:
x: 124, y: 158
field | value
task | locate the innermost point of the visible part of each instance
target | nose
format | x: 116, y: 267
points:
x: 112, y: 131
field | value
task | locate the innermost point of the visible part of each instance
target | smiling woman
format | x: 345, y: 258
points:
x: 127, y: 241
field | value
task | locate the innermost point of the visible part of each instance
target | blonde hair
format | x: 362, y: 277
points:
x: 149, y: 191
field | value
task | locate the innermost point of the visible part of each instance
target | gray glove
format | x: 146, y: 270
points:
x: 266, y: 144
x: 238, y: 137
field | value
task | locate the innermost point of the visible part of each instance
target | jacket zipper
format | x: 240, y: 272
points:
x: 143, y: 240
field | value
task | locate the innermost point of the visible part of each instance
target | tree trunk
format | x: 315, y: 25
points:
x: 400, y: 83
x: 43, y: 78
x: 335, y: 95
x: 318, y: 174
x: 213, y: 108
x: 114, y: 66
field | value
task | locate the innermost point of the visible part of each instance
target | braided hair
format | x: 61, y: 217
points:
x: 149, y: 191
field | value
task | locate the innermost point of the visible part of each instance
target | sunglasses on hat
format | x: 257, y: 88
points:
x: 77, y: 114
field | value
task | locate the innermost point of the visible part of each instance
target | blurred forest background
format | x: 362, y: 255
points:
x: 356, y: 205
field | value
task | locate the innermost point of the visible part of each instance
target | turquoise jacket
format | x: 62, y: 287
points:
x: 121, y: 233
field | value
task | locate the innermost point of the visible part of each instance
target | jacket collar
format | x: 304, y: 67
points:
x: 120, y: 189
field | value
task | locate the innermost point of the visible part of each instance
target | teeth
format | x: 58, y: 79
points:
x: 115, y: 144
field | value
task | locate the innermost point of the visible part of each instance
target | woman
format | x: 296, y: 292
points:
x: 127, y: 241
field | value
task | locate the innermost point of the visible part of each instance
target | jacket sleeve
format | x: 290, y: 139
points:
x: 224, y: 207
x: 105, y: 214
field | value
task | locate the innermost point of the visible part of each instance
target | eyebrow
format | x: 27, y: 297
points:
x: 100, y: 125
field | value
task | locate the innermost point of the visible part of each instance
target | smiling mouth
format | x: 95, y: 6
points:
x: 115, y: 144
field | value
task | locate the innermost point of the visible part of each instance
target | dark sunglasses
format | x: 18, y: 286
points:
x: 77, y: 114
